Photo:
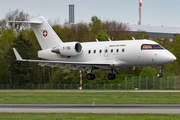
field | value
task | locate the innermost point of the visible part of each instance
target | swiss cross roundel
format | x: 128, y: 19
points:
x: 45, y: 33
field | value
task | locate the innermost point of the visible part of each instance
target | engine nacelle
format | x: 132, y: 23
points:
x: 68, y: 49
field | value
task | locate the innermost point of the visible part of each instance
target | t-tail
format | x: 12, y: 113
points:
x: 46, y: 36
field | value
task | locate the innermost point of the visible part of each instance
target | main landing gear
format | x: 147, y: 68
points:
x: 159, y: 75
x: 91, y: 76
x: 112, y: 75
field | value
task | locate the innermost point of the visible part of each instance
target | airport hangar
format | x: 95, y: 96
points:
x: 155, y: 31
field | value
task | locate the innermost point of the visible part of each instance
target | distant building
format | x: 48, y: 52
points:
x: 155, y: 31
x: 71, y: 13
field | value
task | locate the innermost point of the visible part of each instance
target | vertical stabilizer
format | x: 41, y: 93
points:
x: 46, y: 36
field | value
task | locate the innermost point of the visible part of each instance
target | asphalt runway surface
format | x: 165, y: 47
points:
x: 88, y: 108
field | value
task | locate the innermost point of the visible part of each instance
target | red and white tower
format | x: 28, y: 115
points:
x: 140, y: 12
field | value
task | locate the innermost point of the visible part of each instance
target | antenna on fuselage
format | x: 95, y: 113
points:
x: 134, y: 68
x: 133, y: 38
x: 97, y: 40
x: 109, y: 39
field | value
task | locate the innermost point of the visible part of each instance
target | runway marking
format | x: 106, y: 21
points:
x: 80, y: 108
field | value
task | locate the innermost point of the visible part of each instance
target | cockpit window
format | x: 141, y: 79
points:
x: 151, y: 47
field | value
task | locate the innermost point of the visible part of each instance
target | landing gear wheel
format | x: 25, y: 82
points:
x: 111, y: 76
x: 90, y: 76
x: 93, y: 76
x: 159, y: 75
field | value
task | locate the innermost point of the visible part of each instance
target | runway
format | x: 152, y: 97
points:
x: 88, y: 108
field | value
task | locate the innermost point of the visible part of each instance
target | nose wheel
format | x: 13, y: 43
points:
x: 159, y: 75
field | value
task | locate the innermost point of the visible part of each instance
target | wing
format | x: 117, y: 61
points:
x: 83, y: 66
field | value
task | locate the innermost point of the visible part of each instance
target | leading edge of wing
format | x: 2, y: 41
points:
x: 107, y: 63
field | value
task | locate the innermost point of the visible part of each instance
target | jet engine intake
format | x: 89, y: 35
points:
x: 68, y: 49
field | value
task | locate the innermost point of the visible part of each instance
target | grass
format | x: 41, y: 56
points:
x: 24, y: 116
x: 87, y: 97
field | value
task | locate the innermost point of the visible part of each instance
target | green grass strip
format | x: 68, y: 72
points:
x: 24, y: 116
x: 87, y: 97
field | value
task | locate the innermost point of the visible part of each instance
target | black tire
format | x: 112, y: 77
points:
x: 89, y: 76
x: 113, y: 76
x: 93, y: 76
x: 159, y: 75
x: 110, y: 76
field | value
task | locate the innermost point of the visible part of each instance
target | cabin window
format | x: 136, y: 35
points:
x: 151, y: 47
x: 117, y: 50
x: 100, y: 51
x: 123, y: 50
x: 111, y: 50
x: 89, y: 51
x: 106, y: 51
x: 94, y: 51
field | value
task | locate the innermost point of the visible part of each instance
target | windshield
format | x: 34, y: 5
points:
x: 151, y: 47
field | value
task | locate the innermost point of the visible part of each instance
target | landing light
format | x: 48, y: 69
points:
x: 111, y: 65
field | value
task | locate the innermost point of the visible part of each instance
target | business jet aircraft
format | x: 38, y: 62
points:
x: 88, y: 56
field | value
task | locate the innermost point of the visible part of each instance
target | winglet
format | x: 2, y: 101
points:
x: 18, y: 57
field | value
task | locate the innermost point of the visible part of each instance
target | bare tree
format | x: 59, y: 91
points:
x: 3, y: 25
x: 116, y: 30
x: 16, y: 16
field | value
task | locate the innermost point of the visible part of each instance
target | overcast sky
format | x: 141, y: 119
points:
x: 154, y: 12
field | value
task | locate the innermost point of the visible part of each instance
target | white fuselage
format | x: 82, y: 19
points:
x: 124, y: 53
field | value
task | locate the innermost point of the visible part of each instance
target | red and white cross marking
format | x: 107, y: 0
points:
x: 45, y: 33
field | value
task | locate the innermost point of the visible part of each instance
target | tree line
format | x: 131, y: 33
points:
x: 23, y: 39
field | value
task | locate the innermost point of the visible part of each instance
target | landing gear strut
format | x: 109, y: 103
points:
x: 159, y: 75
x: 112, y: 75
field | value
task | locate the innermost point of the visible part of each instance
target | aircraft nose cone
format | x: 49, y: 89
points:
x: 167, y: 57
x: 172, y: 57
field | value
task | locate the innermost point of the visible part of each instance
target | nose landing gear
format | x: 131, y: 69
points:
x: 159, y: 75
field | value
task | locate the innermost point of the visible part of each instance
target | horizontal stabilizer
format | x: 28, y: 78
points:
x: 18, y: 57
x: 27, y: 22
